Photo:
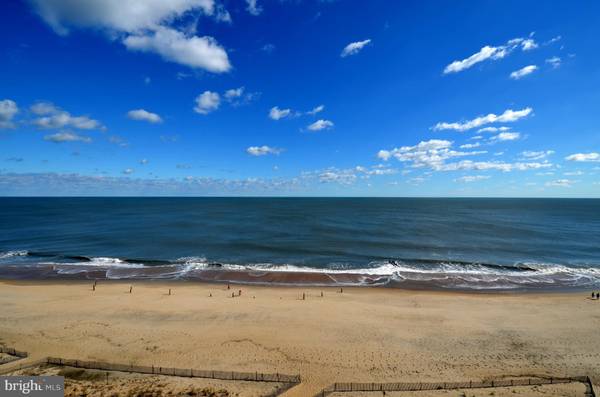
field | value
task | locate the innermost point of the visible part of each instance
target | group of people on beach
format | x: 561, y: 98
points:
x: 595, y: 295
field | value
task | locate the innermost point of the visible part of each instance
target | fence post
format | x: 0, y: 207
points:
x: 470, y: 384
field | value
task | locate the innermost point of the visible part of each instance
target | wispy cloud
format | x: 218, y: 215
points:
x: 144, y: 115
x: 239, y: 96
x: 44, y: 184
x: 536, y: 155
x: 277, y: 114
x: 320, y: 124
x: 490, y: 53
x: 435, y: 154
x: 519, y: 74
x: 561, y: 183
x: 253, y: 8
x: 509, y: 116
x: 354, y: 48
x: 471, y: 178
x: 316, y: 110
x: 62, y: 137
x: 505, y: 136
x: 584, y: 157
x: 555, y: 62
x: 263, y: 150
x: 53, y: 117
x: 8, y: 109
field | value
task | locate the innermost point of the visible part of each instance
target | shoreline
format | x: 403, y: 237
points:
x: 416, y: 288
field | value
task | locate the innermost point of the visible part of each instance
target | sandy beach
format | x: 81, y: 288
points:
x: 361, y: 335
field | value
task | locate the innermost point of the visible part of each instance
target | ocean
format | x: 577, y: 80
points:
x: 440, y: 243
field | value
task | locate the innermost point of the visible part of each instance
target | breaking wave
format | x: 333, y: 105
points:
x: 419, y: 273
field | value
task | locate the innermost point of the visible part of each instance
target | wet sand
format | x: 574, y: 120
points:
x: 361, y: 335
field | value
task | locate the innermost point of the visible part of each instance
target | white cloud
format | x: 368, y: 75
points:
x: 61, y: 137
x: 277, y: 114
x: 573, y: 173
x: 172, y: 45
x: 561, y: 183
x: 43, y: 108
x: 316, y: 110
x: 234, y: 93
x: 117, y: 140
x: 239, y: 96
x: 493, y: 129
x: 491, y: 53
x: 554, y: 62
x: 207, y: 102
x: 435, y: 153
x: 263, y: 150
x: 506, y: 136
x: 519, y: 74
x: 320, y: 125
x: 508, y: 116
x: 486, y: 52
x: 539, y: 155
x: 584, y: 157
x: 128, y: 171
x: 116, y: 15
x: 468, y: 165
x: 52, y: 117
x: 348, y: 176
x: 253, y: 8
x: 528, y: 44
x: 354, y: 48
x: 432, y: 153
x: 144, y: 115
x: 222, y: 15
x: 268, y: 48
x: 144, y: 161
x: 470, y: 145
x: 143, y: 26
x: 8, y: 109
x: 471, y: 178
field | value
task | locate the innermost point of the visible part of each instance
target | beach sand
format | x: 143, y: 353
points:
x: 360, y: 335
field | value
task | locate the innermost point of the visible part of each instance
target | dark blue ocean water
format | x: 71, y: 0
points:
x: 448, y: 243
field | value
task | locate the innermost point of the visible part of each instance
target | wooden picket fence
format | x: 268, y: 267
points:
x: 14, y: 355
x: 13, y: 352
x: 419, y: 386
x: 183, y: 372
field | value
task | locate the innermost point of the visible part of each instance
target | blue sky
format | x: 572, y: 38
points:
x: 305, y: 97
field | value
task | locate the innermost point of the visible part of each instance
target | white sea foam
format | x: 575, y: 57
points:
x: 11, y: 254
x: 106, y: 262
x: 445, y: 274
